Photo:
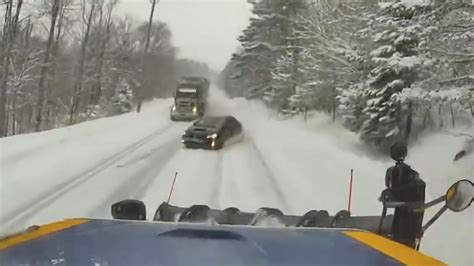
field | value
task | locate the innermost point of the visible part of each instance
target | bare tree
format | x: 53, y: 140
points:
x: 77, y: 87
x: 9, y: 34
x: 83, y: 47
x: 24, y: 64
x: 96, y: 91
x: 45, y: 66
x: 145, y: 51
x: 64, y: 23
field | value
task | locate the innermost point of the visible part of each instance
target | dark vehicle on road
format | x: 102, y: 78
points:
x: 190, y: 99
x: 211, y: 132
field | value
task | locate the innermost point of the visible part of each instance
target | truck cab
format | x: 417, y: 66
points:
x: 189, y: 99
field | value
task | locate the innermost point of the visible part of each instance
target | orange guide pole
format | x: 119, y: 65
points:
x: 349, y: 205
x: 172, y: 187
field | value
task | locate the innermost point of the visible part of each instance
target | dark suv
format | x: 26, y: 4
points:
x: 211, y: 132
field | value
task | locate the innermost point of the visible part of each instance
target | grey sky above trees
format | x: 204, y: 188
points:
x: 205, y: 30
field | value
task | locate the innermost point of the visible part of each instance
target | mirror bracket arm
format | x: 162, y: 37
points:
x: 434, y: 218
x: 434, y: 202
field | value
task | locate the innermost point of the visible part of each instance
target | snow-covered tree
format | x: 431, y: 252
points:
x: 283, y: 83
x: 269, y: 36
x: 387, y: 69
x: 226, y: 81
x: 286, y: 72
x: 332, y: 50
x: 396, y: 66
x: 445, y: 49
x: 351, y: 105
x: 258, y: 46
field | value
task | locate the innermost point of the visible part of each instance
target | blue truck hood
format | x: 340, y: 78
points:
x: 115, y: 242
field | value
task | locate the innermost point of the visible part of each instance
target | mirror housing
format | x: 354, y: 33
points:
x: 129, y: 210
x: 399, y: 151
x: 460, y: 195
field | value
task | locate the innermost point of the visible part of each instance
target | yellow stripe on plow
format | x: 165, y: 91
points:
x: 43, y: 230
x: 393, y: 249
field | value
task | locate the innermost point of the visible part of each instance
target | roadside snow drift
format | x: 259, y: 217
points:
x: 80, y: 171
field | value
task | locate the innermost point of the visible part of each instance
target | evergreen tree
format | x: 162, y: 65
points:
x: 254, y: 61
x: 383, y: 67
x: 286, y: 73
x: 333, y: 51
x: 351, y: 106
x: 396, y: 67
x: 283, y: 82
x: 268, y: 38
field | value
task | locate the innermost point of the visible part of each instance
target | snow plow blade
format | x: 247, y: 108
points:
x: 270, y: 216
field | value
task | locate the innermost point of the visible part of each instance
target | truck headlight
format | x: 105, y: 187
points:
x: 213, y: 136
x: 173, y: 108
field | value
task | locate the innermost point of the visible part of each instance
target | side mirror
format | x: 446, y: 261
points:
x: 460, y: 195
x: 399, y: 151
x: 129, y: 210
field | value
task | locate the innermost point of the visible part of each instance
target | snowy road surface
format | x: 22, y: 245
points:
x: 80, y: 171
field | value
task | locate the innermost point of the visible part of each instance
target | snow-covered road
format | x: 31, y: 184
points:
x: 80, y: 171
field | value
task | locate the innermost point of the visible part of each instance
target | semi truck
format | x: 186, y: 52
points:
x: 190, y: 99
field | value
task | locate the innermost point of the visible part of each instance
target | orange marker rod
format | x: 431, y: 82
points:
x: 172, y: 187
x: 349, y: 204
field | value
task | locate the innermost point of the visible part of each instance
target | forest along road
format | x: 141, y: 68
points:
x: 80, y: 171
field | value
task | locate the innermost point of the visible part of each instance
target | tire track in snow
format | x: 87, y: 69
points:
x: 137, y: 185
x: 269, y: 175
x: 29, y: 209
x: 218, y: 176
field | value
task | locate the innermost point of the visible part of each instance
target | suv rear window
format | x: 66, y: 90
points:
x: 209, y: 122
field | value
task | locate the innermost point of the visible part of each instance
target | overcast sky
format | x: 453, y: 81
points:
x: 205, y: 30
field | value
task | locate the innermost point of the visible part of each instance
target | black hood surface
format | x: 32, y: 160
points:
x: 198, y: 131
